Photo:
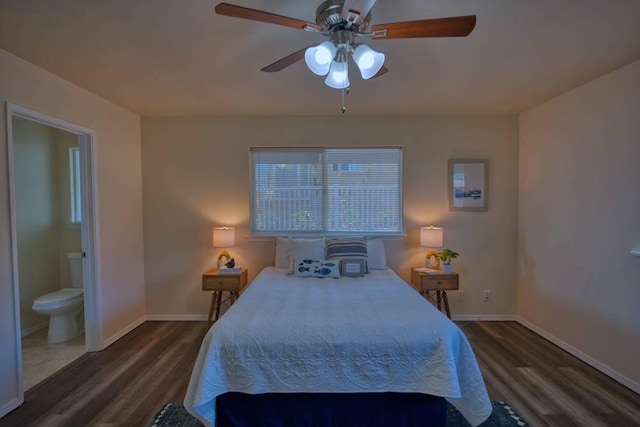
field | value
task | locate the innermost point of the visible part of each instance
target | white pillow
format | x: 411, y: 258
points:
x: 377, y: 258
x: 311, y: 268
x: 305, y: 249
x: 282, y: 252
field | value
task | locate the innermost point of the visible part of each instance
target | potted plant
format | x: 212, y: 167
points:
x: 446, y: 256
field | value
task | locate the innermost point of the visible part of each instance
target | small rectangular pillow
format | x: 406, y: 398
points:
x: 313, y: 268
x: 348, y: 247
x: 352, y: 267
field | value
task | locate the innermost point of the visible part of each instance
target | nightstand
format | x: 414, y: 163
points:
x: 439, y: 284
x: 219, y: 283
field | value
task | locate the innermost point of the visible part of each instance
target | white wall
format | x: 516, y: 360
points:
x: 196, y: 176
x: 579, y: 215
x: 121, y: 277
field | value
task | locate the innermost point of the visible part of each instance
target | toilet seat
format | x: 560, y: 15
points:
x: 59, y: 299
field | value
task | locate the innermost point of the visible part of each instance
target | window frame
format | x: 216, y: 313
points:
x: 75, y: 188
x: 272, y: 150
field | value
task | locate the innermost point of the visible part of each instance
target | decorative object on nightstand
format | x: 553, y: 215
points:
x: 446, y: 256
x: 431, y: 237
x: 435, y: 285
x: 219, y: 283
x: 224, y: 237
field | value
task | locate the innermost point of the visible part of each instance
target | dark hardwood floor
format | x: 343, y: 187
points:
x: 124, y: 385
x: 128, y: 382
x: 547, y: 385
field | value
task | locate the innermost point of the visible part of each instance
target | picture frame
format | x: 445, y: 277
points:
x: 468, y: 185
x: 352, y: 267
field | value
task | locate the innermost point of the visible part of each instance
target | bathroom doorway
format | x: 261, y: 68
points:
x: 51, y: 176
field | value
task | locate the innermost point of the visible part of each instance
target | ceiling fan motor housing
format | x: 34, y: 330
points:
x: 328, y: 14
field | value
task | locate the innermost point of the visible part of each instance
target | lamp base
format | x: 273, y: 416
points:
x: 223, y: 254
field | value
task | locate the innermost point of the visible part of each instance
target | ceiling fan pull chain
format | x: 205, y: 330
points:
x: 345, y: 91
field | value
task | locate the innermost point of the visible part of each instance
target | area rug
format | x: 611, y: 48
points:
x: 503, y: 415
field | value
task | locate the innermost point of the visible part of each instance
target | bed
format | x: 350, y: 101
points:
x: 346, y: 339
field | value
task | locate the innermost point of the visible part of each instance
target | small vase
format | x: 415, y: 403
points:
x: 447, y: 268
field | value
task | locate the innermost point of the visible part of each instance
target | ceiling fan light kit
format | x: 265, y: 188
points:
x: 331, y: 57
x: 342, y: 21
x: 338, y: 77
x: 319, y: 58
x: 368, y: 61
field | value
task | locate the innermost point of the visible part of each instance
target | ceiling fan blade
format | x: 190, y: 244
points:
x: 381, y: 71
x: 458, y: 26
x: 283, y: 63
x: 258, y: 15
x: 356, y: 10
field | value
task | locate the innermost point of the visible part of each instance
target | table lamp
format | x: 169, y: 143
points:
x: 431, y: 237
x: 224, y: 237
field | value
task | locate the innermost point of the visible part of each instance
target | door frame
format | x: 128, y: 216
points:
x: 89, y: 228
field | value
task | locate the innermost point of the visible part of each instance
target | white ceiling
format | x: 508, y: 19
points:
x: 177, y: 57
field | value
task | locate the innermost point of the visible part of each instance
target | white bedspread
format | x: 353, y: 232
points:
x: 370, y: 334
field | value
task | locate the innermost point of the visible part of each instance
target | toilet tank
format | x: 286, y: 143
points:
x: 75, y: 265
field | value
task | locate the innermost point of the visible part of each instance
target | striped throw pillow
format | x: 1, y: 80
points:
x: 348, y: 247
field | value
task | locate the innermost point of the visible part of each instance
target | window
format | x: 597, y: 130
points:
x: 326, y: 190
x: 75, y: 211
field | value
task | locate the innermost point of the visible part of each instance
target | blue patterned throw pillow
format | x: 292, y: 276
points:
x: 313, y: 268
x: 348, y: 247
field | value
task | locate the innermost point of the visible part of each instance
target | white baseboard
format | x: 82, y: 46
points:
x: 9, y: 406
x: 580, y: 355
x: 34, y: 328
x: 484, y: 318
x: 176, y: 317
x: 123, y: 332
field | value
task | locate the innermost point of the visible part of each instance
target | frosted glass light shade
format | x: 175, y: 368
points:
x: 338, y: 77
x: 368, y: 61
x: 224, y: 237
x: 431, y: 236
x: 318, y: 58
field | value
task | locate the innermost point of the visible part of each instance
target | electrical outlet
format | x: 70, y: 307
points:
x: 487, y: 296
x: 460, y: 296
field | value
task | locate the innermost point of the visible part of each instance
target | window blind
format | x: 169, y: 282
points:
x: 320, y: 190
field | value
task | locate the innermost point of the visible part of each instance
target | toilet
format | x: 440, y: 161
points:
x: 65, y: 306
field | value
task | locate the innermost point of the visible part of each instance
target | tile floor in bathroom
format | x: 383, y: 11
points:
x: 41, y: 359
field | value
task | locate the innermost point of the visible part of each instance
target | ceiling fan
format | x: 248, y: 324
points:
x: 343, y: 22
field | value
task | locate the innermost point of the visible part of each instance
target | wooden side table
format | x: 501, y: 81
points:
x: 439, y: 283
x: 219, y: 283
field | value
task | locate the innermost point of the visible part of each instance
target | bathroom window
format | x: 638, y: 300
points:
x: 74, y: 180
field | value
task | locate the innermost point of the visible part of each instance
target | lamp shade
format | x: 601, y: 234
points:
x: 431, y: 236
x: 318, y: 58
x: 224, y: 237
x: 368, y: 61
x: 338, y: 77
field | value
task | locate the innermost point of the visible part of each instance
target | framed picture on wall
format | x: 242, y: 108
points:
x: 468, y: 185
